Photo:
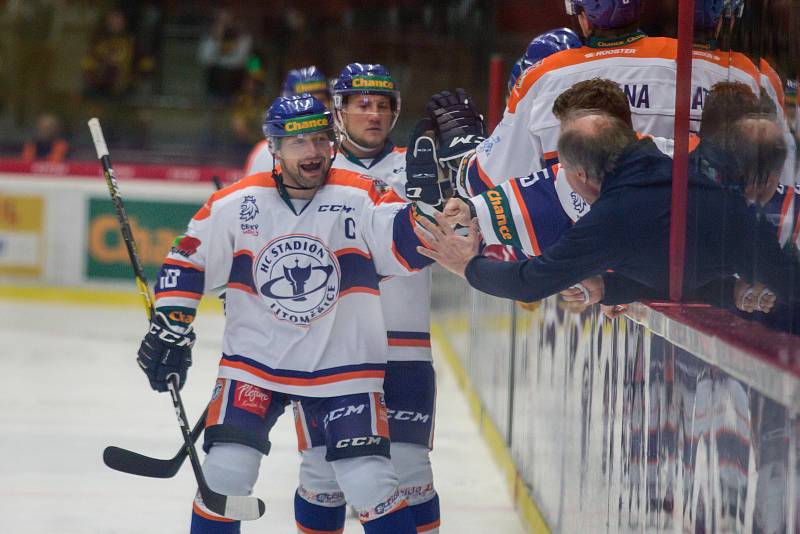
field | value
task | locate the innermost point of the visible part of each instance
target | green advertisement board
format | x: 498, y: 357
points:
x: 154, y: 224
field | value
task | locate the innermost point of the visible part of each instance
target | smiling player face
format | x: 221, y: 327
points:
x: 305, y: 159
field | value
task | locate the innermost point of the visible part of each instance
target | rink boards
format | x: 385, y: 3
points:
x: 58, y: 225
x: 668, y: 420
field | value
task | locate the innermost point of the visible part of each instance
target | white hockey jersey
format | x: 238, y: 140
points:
x: 406, y: 301
x: 303, y: 311
x: 713, y: 66
x: 526, y: 139
x: 259, y: 160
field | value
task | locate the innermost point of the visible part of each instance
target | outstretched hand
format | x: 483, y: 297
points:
x: 456, y: 211
x: 443, y: 245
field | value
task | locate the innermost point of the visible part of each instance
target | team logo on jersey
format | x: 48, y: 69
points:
x: 247, y: 212
x: 298, y: 277
x: 487, y: 144
x: 217, y: 389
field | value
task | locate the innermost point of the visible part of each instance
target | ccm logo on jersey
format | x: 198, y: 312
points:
x: 334, y: 208
x: 500, y: 217
x: 358, y: 442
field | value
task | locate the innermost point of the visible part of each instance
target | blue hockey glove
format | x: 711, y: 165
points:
x: 459, y: 125
x: 423, y: 181
x: 164, y: 352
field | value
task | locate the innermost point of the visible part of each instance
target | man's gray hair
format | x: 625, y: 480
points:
x: 592, y: 140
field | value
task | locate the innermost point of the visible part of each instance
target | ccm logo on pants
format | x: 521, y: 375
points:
x: 358, y: 442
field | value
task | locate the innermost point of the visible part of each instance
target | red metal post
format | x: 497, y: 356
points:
x: 496, y: 91
x: 680, y: 163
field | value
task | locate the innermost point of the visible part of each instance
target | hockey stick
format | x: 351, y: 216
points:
x: 134, y: 463
x: 233, y: 507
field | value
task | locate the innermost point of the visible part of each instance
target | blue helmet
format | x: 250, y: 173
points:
x: 365, y: 79
x: 542, y: 46
x: 304, y: 80
x: 297, y: 115
x: 607, y: 14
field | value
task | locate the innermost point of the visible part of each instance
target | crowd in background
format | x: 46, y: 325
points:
x: 172, y: 84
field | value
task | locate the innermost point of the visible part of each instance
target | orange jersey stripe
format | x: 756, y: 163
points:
x: 728, y: 59
x: 353, y: 179
x: 430, y: 526
x: 550, y: 155
x: 528, y: 224
x: 260, y: 179
x: 215, y: 406
x: 319, y: 381
x: 184, y: 294
x: 302, y: 444
x: 483, y: 176
x: 647, y: 47
x: 393, y: 342
x: 390, y: 197
x: 381, y: 415
x: 186, y: 264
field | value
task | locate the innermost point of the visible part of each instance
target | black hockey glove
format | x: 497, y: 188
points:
x: 459, y: 126
x: 423, y: 180
x: 164, y: 352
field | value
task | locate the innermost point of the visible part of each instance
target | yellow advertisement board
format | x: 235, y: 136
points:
x: 21, y: 235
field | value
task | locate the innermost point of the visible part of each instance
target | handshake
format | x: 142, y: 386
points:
x: 438, y: 144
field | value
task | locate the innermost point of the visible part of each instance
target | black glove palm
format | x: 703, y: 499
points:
x: 422, y: 168
x: 164, y: 352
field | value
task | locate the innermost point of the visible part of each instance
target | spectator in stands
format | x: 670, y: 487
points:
x: 112, y: 65
x: 47, y: 144
x: 628, y: 182
x: 224, y: 53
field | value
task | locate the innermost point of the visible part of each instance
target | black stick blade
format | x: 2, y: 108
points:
x: 137, y: 464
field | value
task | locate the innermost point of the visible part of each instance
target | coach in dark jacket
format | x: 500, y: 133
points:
x: 628, y: 183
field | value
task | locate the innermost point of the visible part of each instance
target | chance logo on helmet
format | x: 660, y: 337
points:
x: 305, y: 80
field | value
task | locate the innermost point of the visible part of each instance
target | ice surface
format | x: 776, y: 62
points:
x: 70, y: 386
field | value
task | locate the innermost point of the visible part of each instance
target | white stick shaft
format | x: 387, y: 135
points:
x: 98, y: 138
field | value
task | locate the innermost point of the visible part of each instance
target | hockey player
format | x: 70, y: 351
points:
x: 298, y: 81
x: 366, y: 104
x: 539, y: 48
x: 526, y: 138
x: 301, y: 251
